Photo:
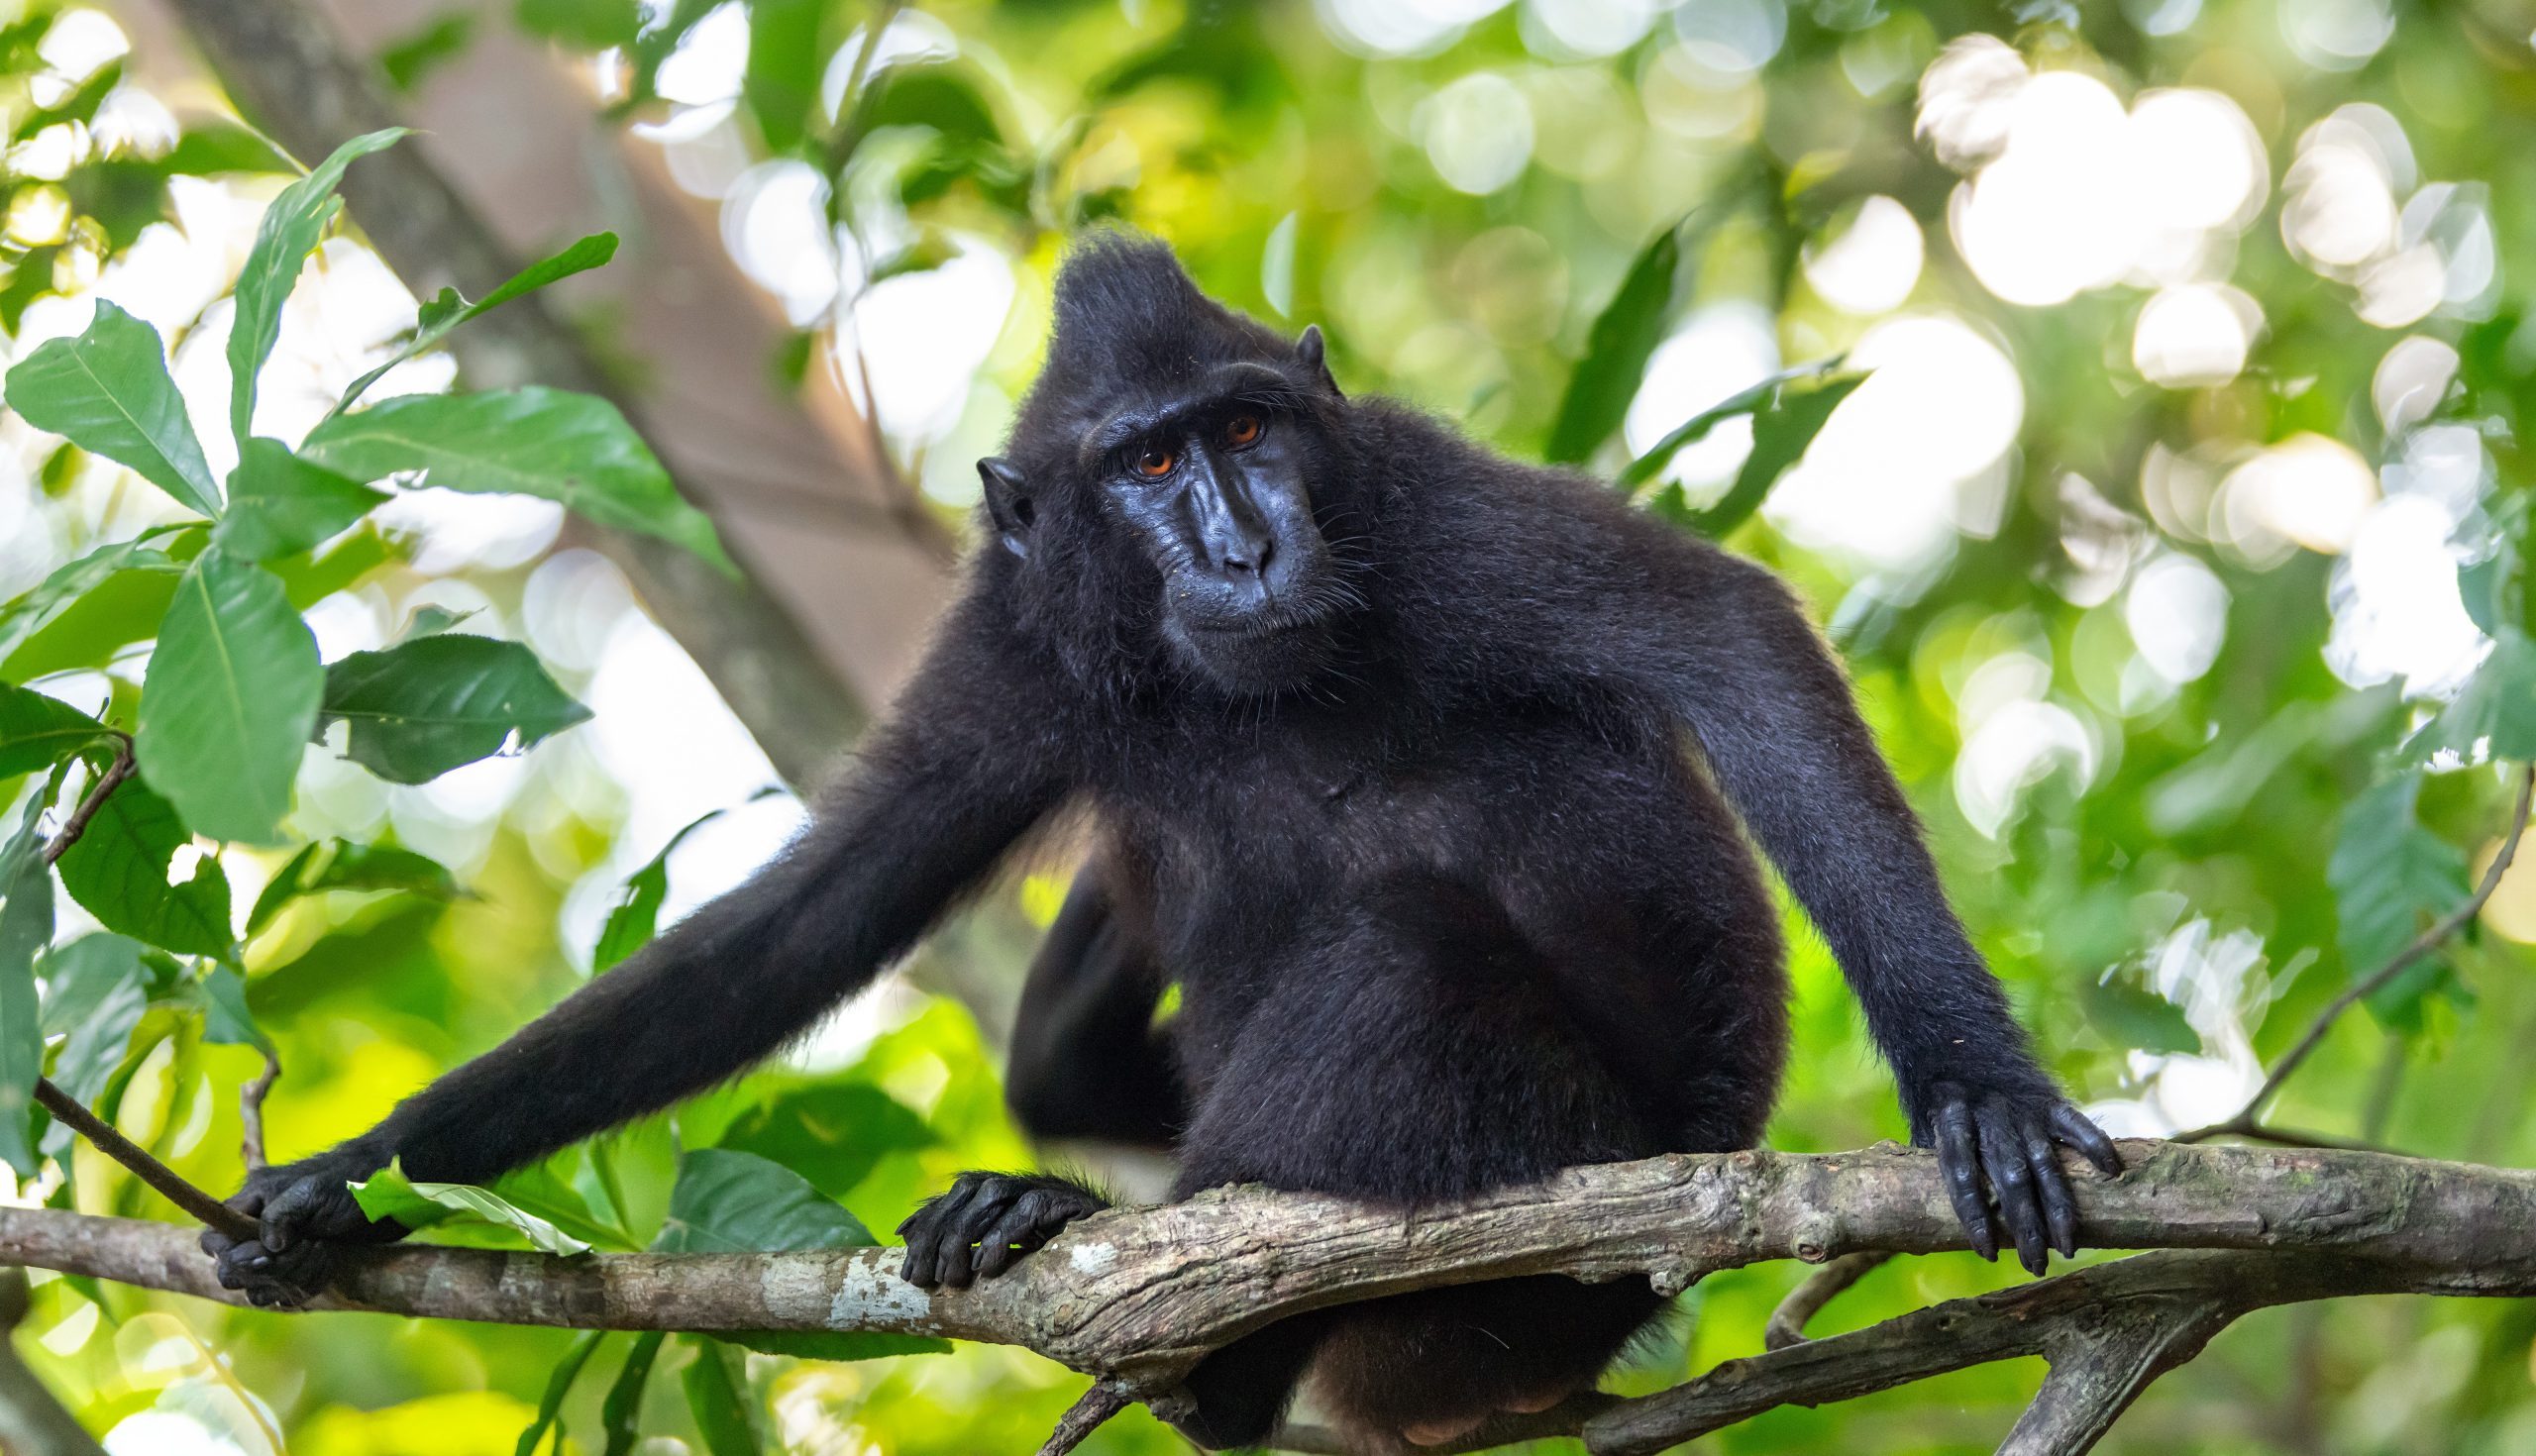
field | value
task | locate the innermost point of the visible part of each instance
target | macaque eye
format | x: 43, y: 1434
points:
x: 1156, y: 462
x: 1244, y: 430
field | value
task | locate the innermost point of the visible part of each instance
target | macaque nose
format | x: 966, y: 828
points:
x: 1249, y: 557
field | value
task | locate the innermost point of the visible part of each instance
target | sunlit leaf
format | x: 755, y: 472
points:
x: 425, y: 706
x: 1781, y: 431
x: 342, y: 865
x: 280, y: 504
x: 1751, y: 400
x: 2392, y: 879
x: 389, y: 1194
x: 575, y: 449
x: 442, y: 314
x: 117, y: 873
x: 230, y: 700
x: 285, y: 237
x: 781, y: 81
x: 108, y: 393
x: 38, y: 731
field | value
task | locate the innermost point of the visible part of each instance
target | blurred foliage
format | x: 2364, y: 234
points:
x: 2164, y: 675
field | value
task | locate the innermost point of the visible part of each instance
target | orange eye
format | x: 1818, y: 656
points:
x: 1244, y: 430
x: 1156, y: 462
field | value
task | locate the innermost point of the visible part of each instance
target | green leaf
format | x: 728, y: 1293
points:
x: 831, y: 1133
x: 1780, y: 433
x: 280, y: 504
x: 726, y: 1201
x: 226, y: 1021
x: 713, y: 1387
x: 389, y: 1194
x: 2392, y: 879
x: 558, y: 1386
x: 571, y: 448
x: 107, y: 391
x: 449, y: 310
x: 309, y: 580
x: 1623, y: 338
x: 117, y: 873
x: 38, y: 609
x: 1695, y: 429
x: 781, y: 81
x: 96, y: 991
x: 26, y: 925
x: 423, y: 707
x: 637, y: 916
x: 230, y: 699
x: 38, y: 731
x: 339, y: 863
x: 621, y: 1413
x: 537, y: 1191
x: 2495, y: 711
x: 2136, y: 1018
x: 287, y: 232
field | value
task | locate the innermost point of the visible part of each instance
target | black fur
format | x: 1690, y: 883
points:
x: 1415, y: 767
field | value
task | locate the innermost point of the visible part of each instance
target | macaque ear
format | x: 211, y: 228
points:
x: 1008, y: 503
x: 1309, y: 349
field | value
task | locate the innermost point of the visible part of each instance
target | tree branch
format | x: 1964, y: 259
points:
x: 2246, y: 1121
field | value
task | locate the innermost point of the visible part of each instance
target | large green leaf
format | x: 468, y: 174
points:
x: 226, y: 1020
x: 389, y: 1194
x: 26, y: 925
x: 2392, y: 879
x: 284, y: 236
x: 423, y: 707
x: 830, y: 1132
x: 108, y: 391
x: 636, y: 917
x: 339, y: 864
x: 575, y: 449
x: 1690, y: 432
x: 117, y: 873
x: 446, y: 312
x: 38, y: 731
x: 728, y: 1201
x: 230, y: 700
x: 281, y: 505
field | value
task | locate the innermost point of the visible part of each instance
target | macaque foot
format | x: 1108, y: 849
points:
x: 985, y: 1222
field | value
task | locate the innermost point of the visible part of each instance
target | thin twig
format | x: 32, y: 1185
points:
x: 107, y: 783
x: 2246, y: 1122
x: 68, y: 1109
x: 1104, y: 1400
x: 203, y: 1206
x: 251, y: 1112
x: 1787, y: 1321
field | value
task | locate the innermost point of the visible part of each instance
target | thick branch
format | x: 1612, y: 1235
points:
x: 1141, y: 1294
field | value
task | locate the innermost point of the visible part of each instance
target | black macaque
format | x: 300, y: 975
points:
x: 1427, y: 776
